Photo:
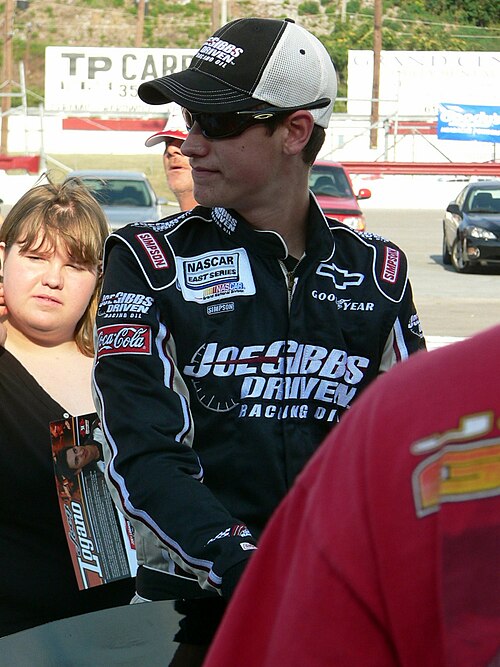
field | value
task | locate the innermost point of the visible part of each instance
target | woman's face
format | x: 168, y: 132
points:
x: 45, y: 291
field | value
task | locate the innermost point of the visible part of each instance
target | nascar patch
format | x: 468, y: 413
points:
x: 215, y: 275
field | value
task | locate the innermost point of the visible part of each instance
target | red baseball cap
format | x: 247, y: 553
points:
x: 175, y: 128
x: 164, y: 135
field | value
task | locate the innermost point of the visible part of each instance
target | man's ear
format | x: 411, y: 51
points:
x: 299, y: 126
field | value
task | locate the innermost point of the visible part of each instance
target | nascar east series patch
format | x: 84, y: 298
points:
x: 215, y: 275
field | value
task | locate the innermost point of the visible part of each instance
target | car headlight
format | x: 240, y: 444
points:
x: 480, y: 233
x: 355, y: 222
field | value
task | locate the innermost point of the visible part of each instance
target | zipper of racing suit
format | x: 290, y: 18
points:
x: 291, y: 280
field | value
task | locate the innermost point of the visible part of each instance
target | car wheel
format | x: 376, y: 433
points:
x: 446, y: 252
x: 458, y: 260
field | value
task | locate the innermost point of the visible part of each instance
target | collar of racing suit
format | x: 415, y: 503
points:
x: 319, y: 242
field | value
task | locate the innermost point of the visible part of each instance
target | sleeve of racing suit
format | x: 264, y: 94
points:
x: 144, y: 408
x: 406, y: 336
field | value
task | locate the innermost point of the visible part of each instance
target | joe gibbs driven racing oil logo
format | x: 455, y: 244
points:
x: 281, y: 379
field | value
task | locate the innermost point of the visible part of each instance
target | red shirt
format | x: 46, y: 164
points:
x: 387, y: 550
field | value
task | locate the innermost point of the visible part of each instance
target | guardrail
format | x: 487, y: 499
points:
x: 430, y: 168
x: 31, y: 163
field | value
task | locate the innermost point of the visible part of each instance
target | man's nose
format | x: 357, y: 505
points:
x: 195, y: 143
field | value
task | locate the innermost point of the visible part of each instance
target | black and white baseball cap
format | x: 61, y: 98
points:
x: 249, y: 61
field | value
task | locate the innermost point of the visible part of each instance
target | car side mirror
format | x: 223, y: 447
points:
x: 453, y: 208
x: 364, y: 193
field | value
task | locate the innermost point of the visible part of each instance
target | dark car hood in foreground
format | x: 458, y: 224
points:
x: 489, y: 221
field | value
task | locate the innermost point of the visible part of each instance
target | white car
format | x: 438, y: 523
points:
x: 125, y: 196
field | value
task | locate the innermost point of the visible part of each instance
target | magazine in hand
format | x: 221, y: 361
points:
x: 100, y: 539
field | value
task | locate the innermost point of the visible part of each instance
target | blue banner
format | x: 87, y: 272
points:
x: 466, y: 122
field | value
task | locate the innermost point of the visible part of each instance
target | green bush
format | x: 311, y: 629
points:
x: 308, y: 7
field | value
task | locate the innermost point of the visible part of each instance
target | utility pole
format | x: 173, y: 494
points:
x: 223, y: 12
x: 215, y: 15
x: 141, y: 9
x: 377, y: 48
x: 6, y: 86
x: 343, y: 10
x: 220, y: 10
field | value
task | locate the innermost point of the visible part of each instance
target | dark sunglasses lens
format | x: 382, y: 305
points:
x: 188, y: 119
x: 217, y: 125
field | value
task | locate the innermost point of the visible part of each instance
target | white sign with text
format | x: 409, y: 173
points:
x: 413, y: 83
x: 105, y: 80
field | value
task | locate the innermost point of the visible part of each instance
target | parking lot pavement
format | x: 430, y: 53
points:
x: 434, y: 342
x: 450, y: 305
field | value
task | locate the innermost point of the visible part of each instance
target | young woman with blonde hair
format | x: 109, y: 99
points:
x: 50, y: 265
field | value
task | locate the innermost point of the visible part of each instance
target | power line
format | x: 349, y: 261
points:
x: 424, y: 22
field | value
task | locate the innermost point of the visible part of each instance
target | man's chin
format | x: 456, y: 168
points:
x: 204, y: 198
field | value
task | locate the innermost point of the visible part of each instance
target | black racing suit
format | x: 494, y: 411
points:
x: 219, y: 372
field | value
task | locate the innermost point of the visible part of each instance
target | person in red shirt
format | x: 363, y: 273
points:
x: 386, y: 551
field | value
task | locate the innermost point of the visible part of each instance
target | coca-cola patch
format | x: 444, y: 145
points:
x: 123, y: 339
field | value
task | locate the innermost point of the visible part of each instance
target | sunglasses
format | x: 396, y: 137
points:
x: 224, y: 125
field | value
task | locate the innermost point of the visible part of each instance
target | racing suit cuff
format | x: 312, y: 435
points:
x: 231, y: 577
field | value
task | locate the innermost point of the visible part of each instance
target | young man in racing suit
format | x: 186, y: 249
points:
x: 232, y: 337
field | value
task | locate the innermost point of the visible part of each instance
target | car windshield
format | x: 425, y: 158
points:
x: 119, y: 192
x: 483, y: 201
x: 330, y: 181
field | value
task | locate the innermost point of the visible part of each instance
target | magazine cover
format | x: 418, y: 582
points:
x: 100, y: 539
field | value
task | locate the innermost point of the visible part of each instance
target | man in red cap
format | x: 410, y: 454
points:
x: 176, y: 165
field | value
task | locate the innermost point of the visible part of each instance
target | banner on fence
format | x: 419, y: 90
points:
x: 466, y: 122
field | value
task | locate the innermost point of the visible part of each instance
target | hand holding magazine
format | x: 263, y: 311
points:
x: 100, y: 539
